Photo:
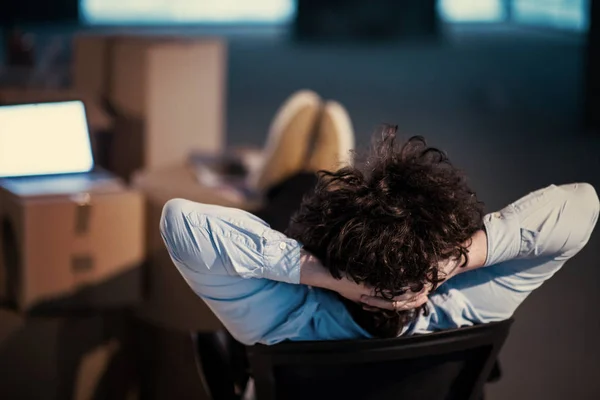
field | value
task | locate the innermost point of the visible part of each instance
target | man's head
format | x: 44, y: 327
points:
x: 388, y: 222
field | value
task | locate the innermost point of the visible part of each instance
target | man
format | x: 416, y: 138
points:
x: 396, y: 246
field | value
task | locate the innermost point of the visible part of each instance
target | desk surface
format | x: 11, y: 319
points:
x: 179, y: 181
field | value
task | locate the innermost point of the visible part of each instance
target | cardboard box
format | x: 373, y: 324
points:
x: 71, y: 251
x: 167, y: 95
x: 90, y: 67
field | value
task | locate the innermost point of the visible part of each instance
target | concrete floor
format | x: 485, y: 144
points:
x: 505, y: 104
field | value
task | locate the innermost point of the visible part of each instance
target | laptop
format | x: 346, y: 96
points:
x: 45, y: 149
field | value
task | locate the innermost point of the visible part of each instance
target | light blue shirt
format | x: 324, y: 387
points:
x: 249, y: 274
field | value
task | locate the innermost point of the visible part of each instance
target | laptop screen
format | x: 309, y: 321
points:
x: 44, y: 139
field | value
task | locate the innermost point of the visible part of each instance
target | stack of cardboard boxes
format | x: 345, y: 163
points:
x: 71, y: 266
x: 166, y: 96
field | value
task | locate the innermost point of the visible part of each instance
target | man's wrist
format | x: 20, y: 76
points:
x: 477, y: 254
x: 477, y: 251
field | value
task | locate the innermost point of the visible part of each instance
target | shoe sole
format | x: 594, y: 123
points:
x: 344, y: 129
x: 301, y: 101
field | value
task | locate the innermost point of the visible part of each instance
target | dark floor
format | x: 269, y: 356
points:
x: 505, y: 104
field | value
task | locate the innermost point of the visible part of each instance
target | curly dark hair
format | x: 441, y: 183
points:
x: 388, y: 222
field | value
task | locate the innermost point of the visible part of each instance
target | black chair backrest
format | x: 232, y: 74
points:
x: 452, y: 364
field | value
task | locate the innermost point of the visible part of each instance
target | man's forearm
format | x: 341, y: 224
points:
x: 313, y: 273
x: 548, y: 222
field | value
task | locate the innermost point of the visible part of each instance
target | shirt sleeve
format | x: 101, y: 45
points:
x: 222, y: 254
x: 550, y: 222
x: 210, y: 239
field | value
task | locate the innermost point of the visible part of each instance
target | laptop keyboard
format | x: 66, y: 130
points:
x: 62, y: 184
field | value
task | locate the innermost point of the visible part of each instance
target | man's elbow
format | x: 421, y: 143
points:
x: 587, y: 200
x: 172, y: 214
x: 585, y: 207
x: 591, y: 198
x: 172, y: 221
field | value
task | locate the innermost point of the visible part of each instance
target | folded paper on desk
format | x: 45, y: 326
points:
x: 226, y: 172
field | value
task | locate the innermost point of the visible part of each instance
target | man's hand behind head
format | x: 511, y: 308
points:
x: 388, y: 223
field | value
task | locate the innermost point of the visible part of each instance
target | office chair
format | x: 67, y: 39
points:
x: 448, y: 365
x: 222, y: 364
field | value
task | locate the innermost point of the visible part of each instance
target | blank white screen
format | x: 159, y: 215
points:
x: 44, y: 139
x: 186, y: 11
